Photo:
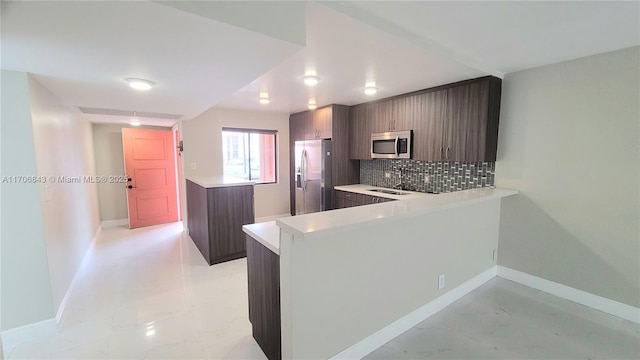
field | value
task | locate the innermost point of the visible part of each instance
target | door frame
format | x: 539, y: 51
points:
x: 177, y: 149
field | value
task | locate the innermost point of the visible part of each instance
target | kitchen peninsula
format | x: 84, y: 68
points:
x: 356, y: 276
x: 217, y: 207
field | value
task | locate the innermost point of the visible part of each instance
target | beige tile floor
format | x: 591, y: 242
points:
x: 149, y: 294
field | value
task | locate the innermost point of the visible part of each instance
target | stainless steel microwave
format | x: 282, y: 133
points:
x: 391, y: 145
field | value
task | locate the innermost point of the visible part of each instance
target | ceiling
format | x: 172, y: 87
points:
x: 83, y: 50
x: 204, y: 54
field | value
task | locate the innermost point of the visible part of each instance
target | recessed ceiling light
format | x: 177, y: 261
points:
x: 140, y: 84
x: 370, y: 88
x: 264, y: 98
x: 310, y: 80
x: 312, y: 105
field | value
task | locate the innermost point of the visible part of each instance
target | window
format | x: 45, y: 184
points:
x: 249, y: 154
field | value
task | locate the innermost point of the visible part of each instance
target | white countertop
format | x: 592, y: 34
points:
x: 266, y: 233
x: 218, y: 181
x: 365, y: 189
x: 322, y: 223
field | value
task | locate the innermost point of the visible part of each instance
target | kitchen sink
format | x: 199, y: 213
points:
x: 392, y: 192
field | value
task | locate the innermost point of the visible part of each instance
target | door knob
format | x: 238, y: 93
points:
x: 128, y: 179
x: 130, y: 186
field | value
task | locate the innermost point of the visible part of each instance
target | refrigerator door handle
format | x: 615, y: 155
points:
x: 305, y: 175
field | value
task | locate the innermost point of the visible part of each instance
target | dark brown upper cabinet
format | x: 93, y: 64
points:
x: 360, y: 129
x: 297, y: 130
x: 474, y: 110
x: 383, y: 119
x: 455, y: 122
x: 322, y: 120
x: 301, y: 126
x: 402, y: 113
x: 311, y: 125
x: 427, y: 120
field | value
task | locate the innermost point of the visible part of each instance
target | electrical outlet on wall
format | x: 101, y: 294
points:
x: 193, y: 166
x: 387, y: 174
x: 440, y: 281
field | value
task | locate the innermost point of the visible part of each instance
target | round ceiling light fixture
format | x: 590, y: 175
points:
x: 264, y: 98
x: 310, y: 80
x: 370, y: 88
x: 312, y: 105
x: 140, y: 84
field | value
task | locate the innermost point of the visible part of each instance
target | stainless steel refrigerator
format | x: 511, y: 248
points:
x: 313, y: 176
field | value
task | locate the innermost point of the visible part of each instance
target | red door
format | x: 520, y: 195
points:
x: 149, y: 162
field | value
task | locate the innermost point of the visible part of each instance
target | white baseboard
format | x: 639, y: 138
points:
x: 79, y: 272
x: 28, y: 333
x: 271, y: 218
x: 572, y: 294
x: 384, y: 335
x: 114, y: 223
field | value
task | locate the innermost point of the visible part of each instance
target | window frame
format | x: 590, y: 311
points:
x: 250, y: 131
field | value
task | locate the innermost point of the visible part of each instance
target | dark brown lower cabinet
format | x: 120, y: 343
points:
x: 215, y: 217
x: 263, y: 273
x: 345, y: 199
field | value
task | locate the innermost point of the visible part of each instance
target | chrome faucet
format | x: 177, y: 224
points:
x: 400, y: 182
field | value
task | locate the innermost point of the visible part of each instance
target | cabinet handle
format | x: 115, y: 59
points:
x: 441, y: 152
x: 447, y: 153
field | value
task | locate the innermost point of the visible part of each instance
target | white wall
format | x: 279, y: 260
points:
x: 64, y: 147
x: 26, y: 287
x: 339, y: 289
x: 203, y: 146
x: 569, y: 141
x: 107, y: 140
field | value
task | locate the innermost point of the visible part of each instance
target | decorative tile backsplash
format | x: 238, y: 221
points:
x: 443, y: 176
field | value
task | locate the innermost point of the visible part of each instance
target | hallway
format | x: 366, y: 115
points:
x: 148, y: 293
